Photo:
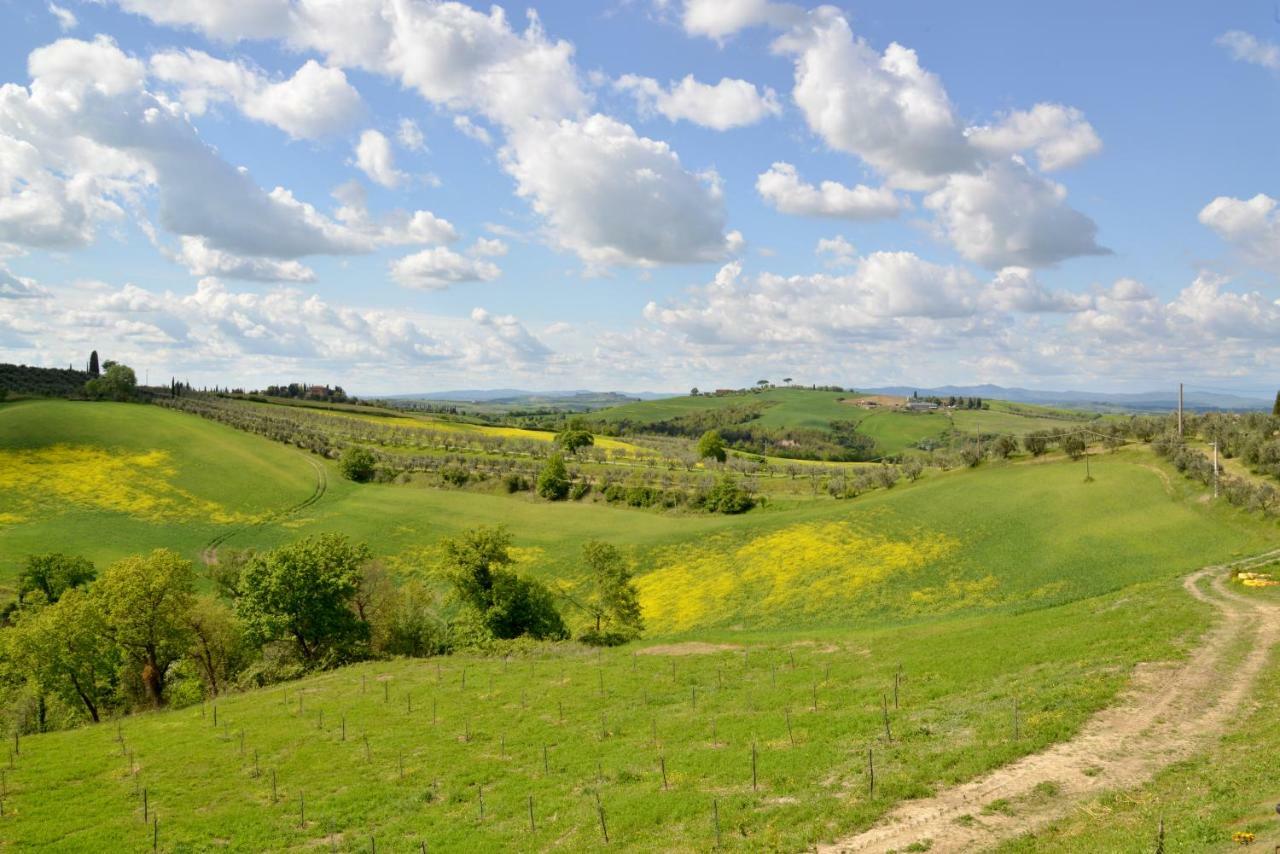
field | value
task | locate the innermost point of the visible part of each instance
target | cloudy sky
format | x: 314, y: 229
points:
x: 403, y: 195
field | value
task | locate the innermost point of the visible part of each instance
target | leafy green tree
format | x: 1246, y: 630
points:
x: 66, y: 650
x: 218, y: 644
x: 52, y: 575
x: 304, y: 591
x: 574, y: 438
x: 472, y: 558
x: 413, y: 625
x: 358, y: 463
x: 146, y: 600
x: 613, y: 602
x: 711, y: 445
x: 118, y: 382
x: 553, y: 480
x: 508, y: 606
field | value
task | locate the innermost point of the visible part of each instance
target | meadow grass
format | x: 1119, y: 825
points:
x: 608, y: 723
x: 1012, y: 580
x: 106, y: 479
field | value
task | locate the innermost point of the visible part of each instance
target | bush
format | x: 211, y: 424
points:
x: 515, y: 483
x: 553, y: 480
x: 579, y: 490
x: 358, y: 464
x: 455, y: 475
x: 728, y: 496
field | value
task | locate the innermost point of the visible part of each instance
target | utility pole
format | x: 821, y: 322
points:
x: 1215, y: 468
x: 1179, y: 410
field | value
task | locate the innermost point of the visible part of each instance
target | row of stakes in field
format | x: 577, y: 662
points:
x: 150, y: 817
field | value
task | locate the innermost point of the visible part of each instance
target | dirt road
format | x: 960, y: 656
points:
x: 1167, y: 714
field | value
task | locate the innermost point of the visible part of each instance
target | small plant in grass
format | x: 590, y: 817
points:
x: 1000, y: 806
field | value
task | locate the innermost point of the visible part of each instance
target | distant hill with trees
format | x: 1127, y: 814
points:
x: 43, y: 382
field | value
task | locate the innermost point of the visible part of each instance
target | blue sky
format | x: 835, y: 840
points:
x: 412, y: 195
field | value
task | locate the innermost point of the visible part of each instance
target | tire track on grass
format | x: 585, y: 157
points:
x: 209, y: 555
x: 1169, y: 712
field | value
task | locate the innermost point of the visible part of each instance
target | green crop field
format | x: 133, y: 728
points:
x: 777, y: 641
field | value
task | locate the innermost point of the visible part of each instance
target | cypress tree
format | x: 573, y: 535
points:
x: 93, y: 363
x: 1275, y: 410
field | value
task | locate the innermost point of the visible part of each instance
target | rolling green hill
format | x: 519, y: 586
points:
x: 893, y: 430
x: 782, y: 634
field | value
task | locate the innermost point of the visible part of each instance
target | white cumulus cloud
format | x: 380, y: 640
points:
x: 728, y: 104
x: 1251, y: 226
x: 373, y: 157
x: 438, y: 268
x: 783, y: 188
x: 1060, y: 136
x: 316, y: 101
x: 1007, y: 215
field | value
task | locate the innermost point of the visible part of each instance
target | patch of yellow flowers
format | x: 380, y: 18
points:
x: 1256, y: 579
x: 43, y: 480
x: 805, y: 567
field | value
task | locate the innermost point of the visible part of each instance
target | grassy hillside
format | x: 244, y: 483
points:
x: 779, y: 633
x: 401, y: 753
x: 894, y: 431
x: 109, y: 479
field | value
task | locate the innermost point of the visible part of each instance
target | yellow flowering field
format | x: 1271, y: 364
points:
x: 806, y: 568
x: 41, y: 481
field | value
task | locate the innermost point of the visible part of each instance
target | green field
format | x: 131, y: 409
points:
x: 106, y: 480
x: 894, y: 431
x: 1014, y: 580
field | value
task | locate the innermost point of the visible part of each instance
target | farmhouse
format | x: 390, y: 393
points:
x: 917, y: 405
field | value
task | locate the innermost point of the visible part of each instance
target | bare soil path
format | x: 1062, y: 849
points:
x: 1168, y: 713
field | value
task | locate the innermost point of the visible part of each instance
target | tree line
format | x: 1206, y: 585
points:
x: 80, y: 646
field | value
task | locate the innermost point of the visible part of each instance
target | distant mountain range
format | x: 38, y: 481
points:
x: 1142, y: 401
x: 585, y: 399
x: 491, y: 395
x: 500, y: 400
